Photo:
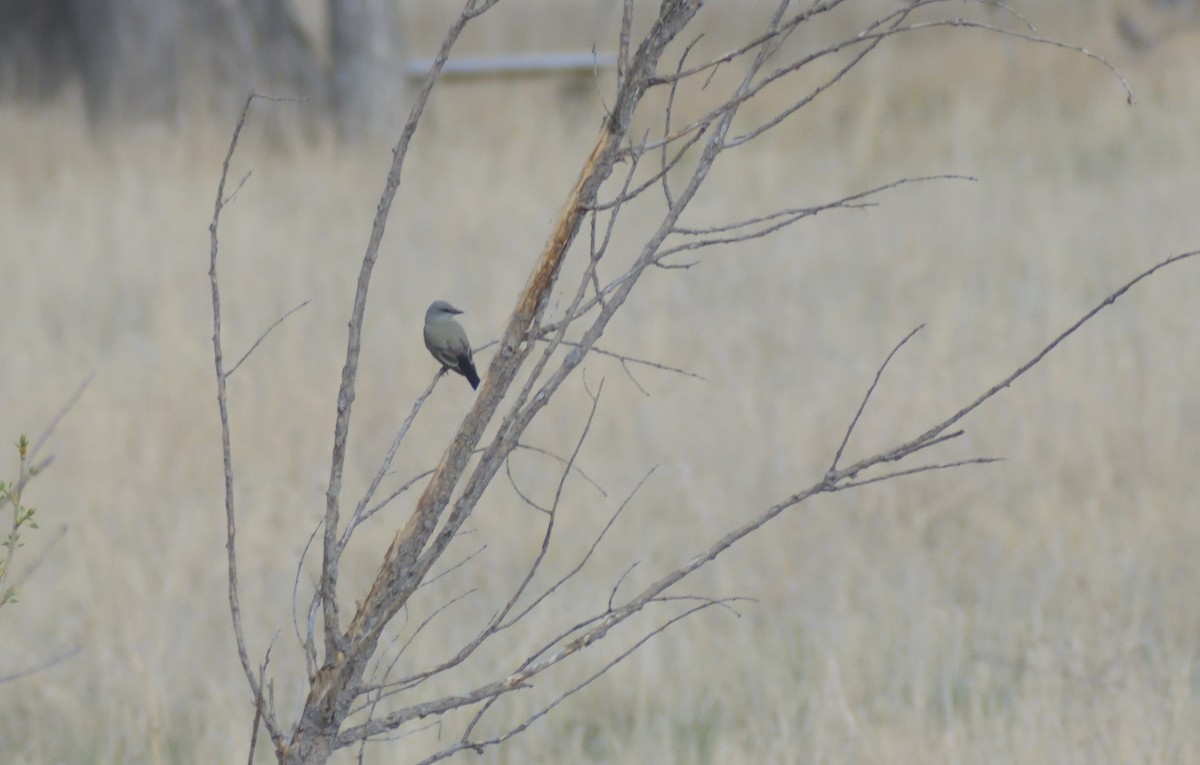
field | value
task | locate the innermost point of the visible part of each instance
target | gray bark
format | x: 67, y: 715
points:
x: 367, y: 77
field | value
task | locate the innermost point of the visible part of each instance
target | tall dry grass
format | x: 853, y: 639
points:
x: 1038, y: 610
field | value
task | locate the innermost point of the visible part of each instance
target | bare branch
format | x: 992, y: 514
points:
x: 360, y: 512
x: 478, y: 746
x: 43, y: 665
x: 626, y: 360
x: 561, y: 460
x: 816, y: 9
x: 36, y: 563
x: 690, y: 136
x: 612, y: 595
x: 427, y: 621
x: 235, y: 608
x: 512, y: 481
x: 623, y: 59
x: 263, y: 336
x: 795, y: 214
x: 666, y: 162
x: 1033, y: 38
x: 48, y: 431
x: 553, y: 511
x: 258, y: 705
x: 870, y: 390
x: 781, y: 219
x: 497, y: 623
x: 387, y: 500
x: 935, y: 433
x: 450, y: 570
x: 308, y: 639
x: 916, y: 470
x: 889, y: 26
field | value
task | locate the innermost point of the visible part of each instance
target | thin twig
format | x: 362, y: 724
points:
x: 478, y: 746
x: 433, y: 578
x: 258, y: 708
x: 37, y: 562
x: 263, y: 336
x: 360, y: 511
x: 915, y: 471
x: 870, y: 390
x: 48, y: 431
x: 626, y: 359
x: 495, y: 626
x: 938, y: 431
x: 43, y: 665
x: 562, y: 461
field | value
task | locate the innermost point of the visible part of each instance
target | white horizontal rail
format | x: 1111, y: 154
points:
x: 530, y: 63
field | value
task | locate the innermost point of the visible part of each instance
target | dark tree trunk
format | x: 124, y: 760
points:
x: 368, y: 78
x: 254, y: 45
x: 128, y: 57
x: 147, y: 59
x: 36, y: 52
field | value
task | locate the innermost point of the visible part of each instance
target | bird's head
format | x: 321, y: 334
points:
x: 440, y: 308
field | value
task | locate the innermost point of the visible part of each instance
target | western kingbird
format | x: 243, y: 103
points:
x: 446, y: 340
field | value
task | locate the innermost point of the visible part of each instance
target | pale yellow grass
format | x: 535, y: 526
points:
x: 1038, y: 610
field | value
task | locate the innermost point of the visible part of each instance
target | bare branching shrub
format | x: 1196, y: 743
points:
x: 355, y: 696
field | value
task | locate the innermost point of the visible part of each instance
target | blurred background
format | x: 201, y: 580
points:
x: 1042, y: 609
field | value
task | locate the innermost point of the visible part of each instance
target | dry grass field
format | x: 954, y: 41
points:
x: 1043, y: 609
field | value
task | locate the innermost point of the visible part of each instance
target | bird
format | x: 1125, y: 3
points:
x: 447, y: 341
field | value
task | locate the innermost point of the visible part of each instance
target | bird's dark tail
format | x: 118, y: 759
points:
x: 466, y: 368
